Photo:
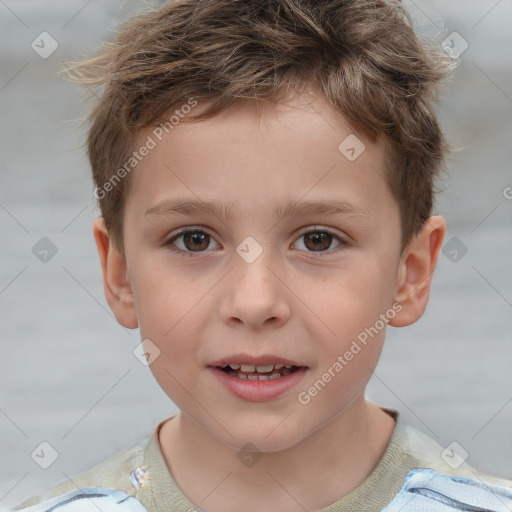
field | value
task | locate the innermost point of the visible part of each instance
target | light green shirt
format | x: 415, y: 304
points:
x: 141, y: 471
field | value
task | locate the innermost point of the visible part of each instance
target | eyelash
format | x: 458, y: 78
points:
x: 186, y: 254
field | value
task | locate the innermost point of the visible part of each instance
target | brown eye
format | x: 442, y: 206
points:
x: 189, y: 241
x: 320, y: 241
x: 196, y: 241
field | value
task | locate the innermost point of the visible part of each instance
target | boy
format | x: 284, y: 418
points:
x: 265, y: 171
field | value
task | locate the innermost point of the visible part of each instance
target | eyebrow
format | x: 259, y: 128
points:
x: 290, y: 208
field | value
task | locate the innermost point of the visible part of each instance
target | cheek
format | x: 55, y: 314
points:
x: 167, y: 310
x: 175, y: 337
x: 165, y: 300
x: 350, y: 304
x: 349, y: 350
x: 344, y: 370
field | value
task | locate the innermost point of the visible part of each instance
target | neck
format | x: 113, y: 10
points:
x: 316, y: 472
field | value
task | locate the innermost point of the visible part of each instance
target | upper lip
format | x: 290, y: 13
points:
x: 260, y: 360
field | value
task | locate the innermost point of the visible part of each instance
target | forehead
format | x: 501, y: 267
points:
x: 255, y: 152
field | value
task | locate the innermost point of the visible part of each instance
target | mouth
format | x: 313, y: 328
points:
x: 258, y: 372
x: 257, y: 378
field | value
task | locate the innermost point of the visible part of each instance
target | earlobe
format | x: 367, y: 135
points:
x: 414, y: 276
x: 118, y: 291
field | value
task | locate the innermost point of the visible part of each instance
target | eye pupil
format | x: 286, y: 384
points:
x: 321, y: 241
x: 197, y: 239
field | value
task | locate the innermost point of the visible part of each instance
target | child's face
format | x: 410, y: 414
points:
x: 304, y: 299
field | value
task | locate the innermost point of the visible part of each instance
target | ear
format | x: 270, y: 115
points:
x: 117, y: 287
x: 416, y: 270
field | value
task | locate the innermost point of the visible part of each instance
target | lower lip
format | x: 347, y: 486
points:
x: 258, y: 390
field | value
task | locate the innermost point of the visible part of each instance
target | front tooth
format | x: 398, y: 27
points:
x: 252, y: 377
x: 248, y: 367
x: 234, y: 366
x: 278, y: 366
x: 265, y: 369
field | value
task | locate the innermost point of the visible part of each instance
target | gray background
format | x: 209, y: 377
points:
x: 68, y: 375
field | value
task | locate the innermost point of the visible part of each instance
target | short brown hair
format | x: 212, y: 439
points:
x: 362, y: 55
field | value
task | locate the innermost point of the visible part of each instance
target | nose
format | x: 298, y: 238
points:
x: 254, y: 296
